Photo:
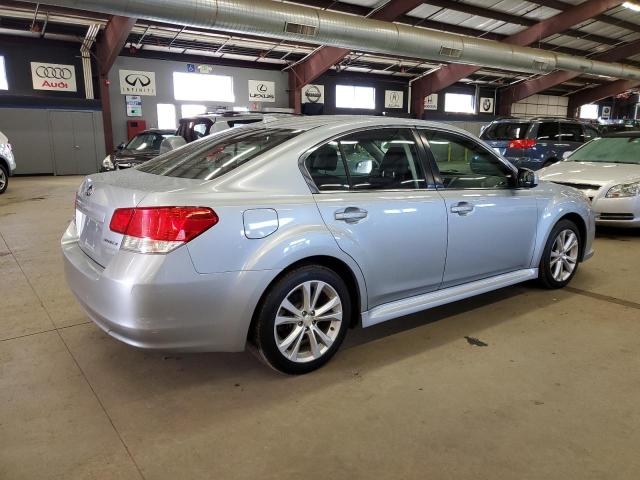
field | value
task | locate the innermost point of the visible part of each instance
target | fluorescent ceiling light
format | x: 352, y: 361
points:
x: 632, y: 6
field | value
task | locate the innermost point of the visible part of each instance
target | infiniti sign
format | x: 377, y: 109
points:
x: 137, y: 83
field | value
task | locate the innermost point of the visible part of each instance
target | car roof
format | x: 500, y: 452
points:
x: 623, y: 134
x: 161, y: 131
x: 541, y: 119
x: 306, y: 123
x: 234, y: 115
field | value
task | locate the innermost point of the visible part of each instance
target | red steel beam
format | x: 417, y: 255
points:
x: 525, y: 89
x: 324, y: 58
x: 108, y: 48
x: 586, y: 97
x: 450, y: 74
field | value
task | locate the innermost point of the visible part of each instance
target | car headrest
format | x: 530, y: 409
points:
x: 325, y: 158
x: 395, y: 159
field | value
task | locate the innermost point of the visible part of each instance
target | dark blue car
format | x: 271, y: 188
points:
x: 537, y: 142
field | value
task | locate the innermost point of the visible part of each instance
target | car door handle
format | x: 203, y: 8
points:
x: 350, y: 214
x: 462, y: 208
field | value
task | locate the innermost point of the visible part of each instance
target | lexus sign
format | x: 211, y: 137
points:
x: 261, y: 91
x: 54, y: 77
x: 133, y: 82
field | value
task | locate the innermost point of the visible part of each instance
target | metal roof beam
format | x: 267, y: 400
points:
x: 611, y: 89
x: 453, y: 73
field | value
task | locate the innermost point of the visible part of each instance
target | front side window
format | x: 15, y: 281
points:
x: 383, y: 159
x: 212, y: 157
x: 548, y: 131
x: 465, y: 164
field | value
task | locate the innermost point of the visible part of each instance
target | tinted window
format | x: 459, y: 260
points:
x: 372, y: 160
x: 571, y: 132
x: 327, y: 169
x: 590, y: 133
x: 465, y: 164
x: 548, y: 131
x: 506, y: 131
x: 215, y: 156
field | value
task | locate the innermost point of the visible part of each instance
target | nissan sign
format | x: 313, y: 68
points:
x: 54, y: 77
x: 261, y: 91
x: 133, y: 82
x: 313, y: 94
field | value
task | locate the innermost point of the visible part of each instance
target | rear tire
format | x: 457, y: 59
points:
x: 302, y: 320
x: 561, y: 255
x: 4, y: 178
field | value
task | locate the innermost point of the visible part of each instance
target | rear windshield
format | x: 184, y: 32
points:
x: 212, y: 157
x: 609, y: 150
x: 506, y: 131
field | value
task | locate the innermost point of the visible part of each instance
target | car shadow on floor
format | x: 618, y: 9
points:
x: 617, y: 233
x: 365, y: 350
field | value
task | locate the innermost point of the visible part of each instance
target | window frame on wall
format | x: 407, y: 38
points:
x: 174, y: 124
x: 591, y: 112
x: 203, y: 87
x: 450, y: 95
x: 4, y: 82
x: 353, y: 103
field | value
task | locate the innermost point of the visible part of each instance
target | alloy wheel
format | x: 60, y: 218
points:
x: 564, y: 255
x: 3, y: 179
x: 308, y: 321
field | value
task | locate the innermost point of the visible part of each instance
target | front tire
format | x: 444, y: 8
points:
x: 302, y: 320
x: 4, y: 178
x: 561, y: 255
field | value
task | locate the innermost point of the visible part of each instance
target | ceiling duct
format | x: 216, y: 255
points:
x: 295, y: 22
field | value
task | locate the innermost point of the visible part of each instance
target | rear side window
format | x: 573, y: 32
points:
x: 215, y: 156
x: 590, y: 133
x: 571, y: 132
x: 548, y: 131
x: 506, y: 131
x: 382, y: 159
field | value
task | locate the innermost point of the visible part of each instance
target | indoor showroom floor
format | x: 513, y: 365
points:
x: 554, y: 394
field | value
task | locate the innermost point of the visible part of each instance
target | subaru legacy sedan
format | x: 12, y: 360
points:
x: 286, y: 233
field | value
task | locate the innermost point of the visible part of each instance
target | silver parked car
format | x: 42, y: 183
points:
x: 607, y: 170
x: 7, y: 162
x: 285, y: 233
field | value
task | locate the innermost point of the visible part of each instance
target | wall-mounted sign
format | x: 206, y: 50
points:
x: 261, y: 91
x: 193, y: 68
x: 486, y: 105
x: 52, y: 76
x: 134, y: 105
x: 606, y: 113
x: 393, y: 98
x: 133, y: 82
x: 313, y: 94
x: 431, y: 102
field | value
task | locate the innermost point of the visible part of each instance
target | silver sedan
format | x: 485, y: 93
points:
x: 287, y: 232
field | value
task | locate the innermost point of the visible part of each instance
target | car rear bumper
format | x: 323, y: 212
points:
x: 161, y: 302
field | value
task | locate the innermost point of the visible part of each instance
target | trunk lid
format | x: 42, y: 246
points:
x: 101, y: 194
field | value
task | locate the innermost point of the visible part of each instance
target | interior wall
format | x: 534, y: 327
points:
x: 164, y: 89
x: 541, y: 106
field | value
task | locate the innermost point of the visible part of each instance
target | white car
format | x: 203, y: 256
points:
x: 7, y: 162
x: 607, y: 170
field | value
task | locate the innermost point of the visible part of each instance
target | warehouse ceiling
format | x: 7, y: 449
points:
x: 490, y: 19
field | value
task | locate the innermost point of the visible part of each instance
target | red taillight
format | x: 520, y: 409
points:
x: 168, y: 224
x: 525, y: 143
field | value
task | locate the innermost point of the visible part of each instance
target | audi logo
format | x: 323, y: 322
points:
x: 57, y: 73
x: 137, y: 79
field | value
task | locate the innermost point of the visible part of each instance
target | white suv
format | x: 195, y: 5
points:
x: 7, y: 162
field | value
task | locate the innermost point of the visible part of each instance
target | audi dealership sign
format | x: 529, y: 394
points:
x: 133, y: 82
x: 54, y: 77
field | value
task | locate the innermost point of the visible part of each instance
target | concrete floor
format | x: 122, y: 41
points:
x: 554, y: 395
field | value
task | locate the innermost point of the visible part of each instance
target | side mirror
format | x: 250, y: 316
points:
x: 121, y: 146
x: 566, y: 155
x: 527, y: 178
x: 171, y: 143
